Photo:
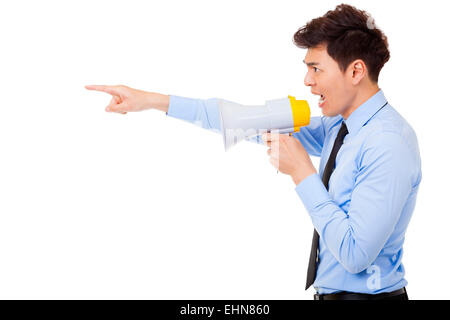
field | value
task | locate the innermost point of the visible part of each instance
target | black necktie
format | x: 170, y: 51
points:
x: 313, y: 258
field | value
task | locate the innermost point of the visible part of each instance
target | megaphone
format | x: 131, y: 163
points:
x: 239, y: 122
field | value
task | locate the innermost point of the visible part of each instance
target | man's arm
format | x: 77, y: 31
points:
x: 203, y: 113
x: 387, y: 174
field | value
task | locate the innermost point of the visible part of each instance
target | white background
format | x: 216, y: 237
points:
x: 95, y: 205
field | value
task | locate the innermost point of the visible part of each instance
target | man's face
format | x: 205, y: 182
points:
x: 327, y: 80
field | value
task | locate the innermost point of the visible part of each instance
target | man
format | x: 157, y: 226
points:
x: 361, y: 200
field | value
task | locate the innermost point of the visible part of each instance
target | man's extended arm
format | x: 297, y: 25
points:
x: 203, y: 113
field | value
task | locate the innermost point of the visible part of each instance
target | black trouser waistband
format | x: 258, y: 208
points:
x: 360, y: 296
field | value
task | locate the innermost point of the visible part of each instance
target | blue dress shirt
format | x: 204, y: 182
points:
x: 362, y: 218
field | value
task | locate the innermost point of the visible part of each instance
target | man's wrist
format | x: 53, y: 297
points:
x: 298, y: 177
x: 158, y: 101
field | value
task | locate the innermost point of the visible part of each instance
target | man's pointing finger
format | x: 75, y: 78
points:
x: 108, y: 89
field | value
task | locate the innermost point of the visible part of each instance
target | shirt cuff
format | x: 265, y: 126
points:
x: 182, y: 108
x: 312, y: 192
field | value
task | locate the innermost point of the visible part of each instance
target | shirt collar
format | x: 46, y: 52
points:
x: 364, y: 112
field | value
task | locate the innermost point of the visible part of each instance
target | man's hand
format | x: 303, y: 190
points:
x: 288, y: 155
x: 126, y: 99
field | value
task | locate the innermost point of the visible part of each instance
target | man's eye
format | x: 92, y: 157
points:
x: 315, y: 69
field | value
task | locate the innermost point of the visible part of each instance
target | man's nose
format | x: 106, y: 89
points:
x: 309, y: 81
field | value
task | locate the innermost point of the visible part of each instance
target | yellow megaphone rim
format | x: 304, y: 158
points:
x: 300, y: 112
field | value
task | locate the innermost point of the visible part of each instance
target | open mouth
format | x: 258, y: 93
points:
x: 322, y: 100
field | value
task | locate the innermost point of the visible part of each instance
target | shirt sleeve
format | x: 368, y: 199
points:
x: 383, y: 183
x: 200, y: 112
x: 312, y: 136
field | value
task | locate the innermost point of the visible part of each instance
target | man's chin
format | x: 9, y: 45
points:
x: 329, y: 114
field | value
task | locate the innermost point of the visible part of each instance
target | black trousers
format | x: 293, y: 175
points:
x: 400, y: 294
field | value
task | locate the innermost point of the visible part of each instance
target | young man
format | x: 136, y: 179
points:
x: 361, y: 200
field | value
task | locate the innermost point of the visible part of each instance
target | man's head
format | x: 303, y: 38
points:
x: 345, y: 55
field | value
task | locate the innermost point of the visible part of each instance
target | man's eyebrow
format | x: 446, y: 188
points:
x: 311, y: 63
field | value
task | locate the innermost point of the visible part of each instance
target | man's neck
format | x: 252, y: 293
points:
x: 361, y: 97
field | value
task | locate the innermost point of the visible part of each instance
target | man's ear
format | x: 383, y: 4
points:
x: 357, y: 70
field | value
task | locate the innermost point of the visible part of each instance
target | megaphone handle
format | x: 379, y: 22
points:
x: 290, y: 135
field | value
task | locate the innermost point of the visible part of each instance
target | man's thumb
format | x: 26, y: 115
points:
x: 121, y: 107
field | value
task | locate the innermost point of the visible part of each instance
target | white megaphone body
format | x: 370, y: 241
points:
x: 240, y: 122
